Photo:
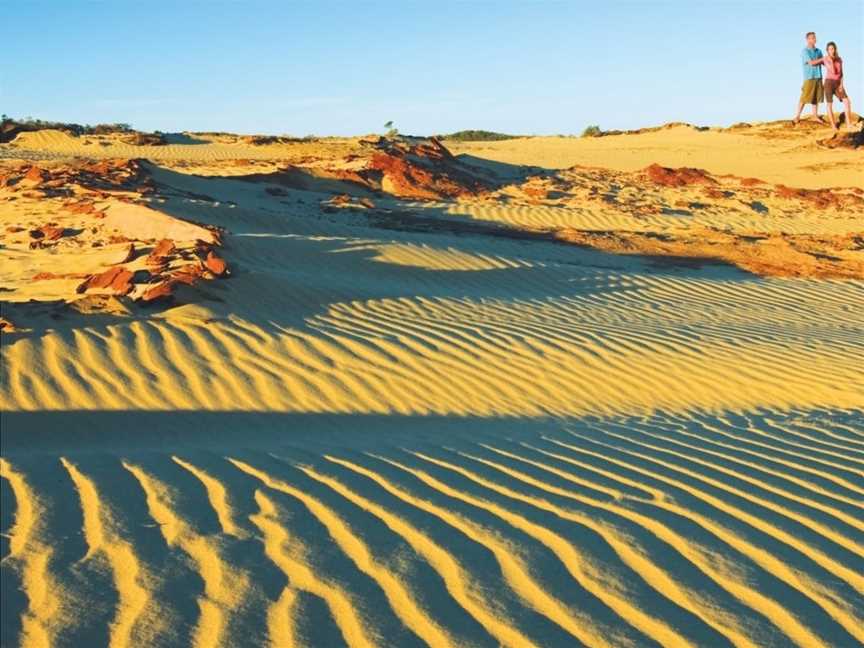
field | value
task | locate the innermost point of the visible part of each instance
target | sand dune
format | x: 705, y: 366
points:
x: 406, y: 422
x: 664, y: 529
x: 782, y: 153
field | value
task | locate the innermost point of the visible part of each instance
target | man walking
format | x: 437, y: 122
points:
x: 811, y: 92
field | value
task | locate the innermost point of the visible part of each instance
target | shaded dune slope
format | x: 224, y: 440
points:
x: 656, y: 530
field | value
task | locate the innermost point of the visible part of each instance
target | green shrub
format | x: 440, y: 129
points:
x: 477, y: 136
x: 592, y: 131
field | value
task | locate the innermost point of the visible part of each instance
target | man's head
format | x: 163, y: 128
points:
x: 811, y: 39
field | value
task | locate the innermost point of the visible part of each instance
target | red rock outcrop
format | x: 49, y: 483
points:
x: 425, y: 170
x: 117, y: 280
x: 678, y: 177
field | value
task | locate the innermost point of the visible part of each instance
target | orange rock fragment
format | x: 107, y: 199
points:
x: 162, y: 290
x: 117, y: 280
x: 47, y: 233
x: 35, y: 174
x: 215, y: 264
x: 80, y: 207
x: 164, y: 248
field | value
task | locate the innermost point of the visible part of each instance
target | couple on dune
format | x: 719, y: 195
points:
x: 814, y: 90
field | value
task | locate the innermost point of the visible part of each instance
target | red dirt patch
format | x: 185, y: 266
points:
x: 678, y: 177
x: 819, y: 198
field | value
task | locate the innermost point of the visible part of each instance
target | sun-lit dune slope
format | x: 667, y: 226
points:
x: 429, y: 399
x: 775, y: 151
x: 59, y: 144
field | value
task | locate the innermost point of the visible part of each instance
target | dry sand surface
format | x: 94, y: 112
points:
x: 542, y: 392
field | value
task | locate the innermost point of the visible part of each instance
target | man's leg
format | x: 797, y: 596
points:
x: 798, y: 112
x: 819, y: 98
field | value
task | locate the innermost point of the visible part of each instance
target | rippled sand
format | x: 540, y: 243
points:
x: 375, y: 437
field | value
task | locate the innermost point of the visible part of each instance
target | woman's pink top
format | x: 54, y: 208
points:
x: 833, y: 68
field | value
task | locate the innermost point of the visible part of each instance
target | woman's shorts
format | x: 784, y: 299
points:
x: 832, y: 89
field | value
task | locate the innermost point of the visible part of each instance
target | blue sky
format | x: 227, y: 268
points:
x: 347, y: 67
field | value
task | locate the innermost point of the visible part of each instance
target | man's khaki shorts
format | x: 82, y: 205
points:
x: 832, y: 89
x: 811, y: 92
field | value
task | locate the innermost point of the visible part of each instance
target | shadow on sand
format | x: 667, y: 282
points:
x: 514, y: 479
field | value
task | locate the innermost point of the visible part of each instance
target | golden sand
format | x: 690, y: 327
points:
x: 434, y: 422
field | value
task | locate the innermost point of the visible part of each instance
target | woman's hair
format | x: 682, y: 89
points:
x: 836, y: 54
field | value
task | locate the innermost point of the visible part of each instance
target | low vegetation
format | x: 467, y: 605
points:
x: 477, y: 136
x: 592, y: 131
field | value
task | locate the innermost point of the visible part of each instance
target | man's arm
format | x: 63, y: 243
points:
x: 818, y: 61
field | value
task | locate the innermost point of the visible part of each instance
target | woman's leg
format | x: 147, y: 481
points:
x: 829, y: 105
x: 848, y: 106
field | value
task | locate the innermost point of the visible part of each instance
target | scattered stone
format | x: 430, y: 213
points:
x: 117, y: 280
x: 163, y: 248
x: 215, y: 264
x: 51, y: 233
x: 35, y: 175
x: 83, y: 207
x: 6, y: 326
x: 161, y: 290
x: 188, y: 274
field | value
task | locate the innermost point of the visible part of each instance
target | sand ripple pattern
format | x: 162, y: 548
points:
x: 672, y: 530
x: 616, y: 344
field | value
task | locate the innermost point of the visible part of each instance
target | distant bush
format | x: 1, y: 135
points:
x: 477, y: 136
x: 261, y: 140
x: 592, y: 131
x: 145, y: 139
x: 107, y: 129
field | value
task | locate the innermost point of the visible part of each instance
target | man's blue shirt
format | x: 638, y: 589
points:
x: 811, y: 71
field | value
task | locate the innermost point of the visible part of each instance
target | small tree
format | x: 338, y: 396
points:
x: 391, y: 131
x: 592, y: 131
